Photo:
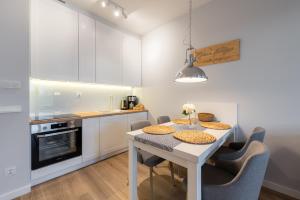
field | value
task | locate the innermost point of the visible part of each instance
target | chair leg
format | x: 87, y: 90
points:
x: 151, y: 183
x: 172, y: 172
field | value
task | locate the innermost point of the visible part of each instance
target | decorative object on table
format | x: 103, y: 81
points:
x: 194, y: 137
x: 159, y: 130
x: 188, y: 110
x: 139, y: 107
x: 190, y: 73
x: 206, y: 117
x: 220, y: 53
x: 215, y: 125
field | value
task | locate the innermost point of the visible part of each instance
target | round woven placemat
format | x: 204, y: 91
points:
x: 194, y: 137
x: 158, y: 130
x: 181, y: 121
x: 215, y: 125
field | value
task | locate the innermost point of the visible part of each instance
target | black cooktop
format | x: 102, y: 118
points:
x: 46, y: 117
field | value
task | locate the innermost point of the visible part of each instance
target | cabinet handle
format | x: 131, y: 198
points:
x: 53, y: 134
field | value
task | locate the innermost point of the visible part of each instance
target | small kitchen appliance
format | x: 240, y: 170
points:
x: 132, y: 101
x: 124, y: 104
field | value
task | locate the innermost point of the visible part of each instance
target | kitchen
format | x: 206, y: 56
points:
x: 78, y: 75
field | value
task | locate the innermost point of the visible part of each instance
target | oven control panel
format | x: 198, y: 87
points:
x: 40, y: 128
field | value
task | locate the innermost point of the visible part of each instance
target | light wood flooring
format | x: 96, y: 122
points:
x: 108, y: 180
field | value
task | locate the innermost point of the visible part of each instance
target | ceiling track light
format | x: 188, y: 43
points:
x: 118, y: 10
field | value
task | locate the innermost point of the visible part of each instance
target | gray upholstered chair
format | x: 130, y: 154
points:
x: 237, y: 179
x: 146, y: 158
x: 236, y: 150
x: 163, y: 119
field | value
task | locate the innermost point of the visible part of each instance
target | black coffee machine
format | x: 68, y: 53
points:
x: 132, y: 101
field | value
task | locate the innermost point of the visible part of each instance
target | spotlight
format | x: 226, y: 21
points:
x: 104, y: 3
x: 117, y: 12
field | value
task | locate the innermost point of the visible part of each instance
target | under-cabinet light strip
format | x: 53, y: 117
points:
x: 78, y: 84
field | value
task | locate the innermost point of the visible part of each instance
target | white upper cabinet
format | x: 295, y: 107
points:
x: 54, y: 41
x: 87, y: 49
x: 132, y: 61
x: 70, y: 46
x: 108, y: 55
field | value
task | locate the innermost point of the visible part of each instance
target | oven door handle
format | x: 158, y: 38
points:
x: 59, y: 133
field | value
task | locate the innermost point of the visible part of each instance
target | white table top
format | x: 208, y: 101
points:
x: 192, y: 152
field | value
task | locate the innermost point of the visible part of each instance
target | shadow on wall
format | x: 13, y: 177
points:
x: 151, y: 118
x: 291, y: 162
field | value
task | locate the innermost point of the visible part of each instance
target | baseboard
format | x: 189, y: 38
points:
x: 38, y: 178
x: 282, y: 189
x: 16, y: 193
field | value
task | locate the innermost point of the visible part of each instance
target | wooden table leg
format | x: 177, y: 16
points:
x: 194, y: 181
x: 132, y: 171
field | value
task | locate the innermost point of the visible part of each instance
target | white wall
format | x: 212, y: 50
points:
x: 264, y: 82
x: 52, y: 97
x: 14, y: 65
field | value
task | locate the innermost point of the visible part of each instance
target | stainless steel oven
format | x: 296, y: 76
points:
x: 55, y: 142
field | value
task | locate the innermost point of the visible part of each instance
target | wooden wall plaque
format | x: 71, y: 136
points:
x: 220, y: 53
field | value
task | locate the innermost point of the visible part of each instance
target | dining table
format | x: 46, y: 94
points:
x: 190, y: 156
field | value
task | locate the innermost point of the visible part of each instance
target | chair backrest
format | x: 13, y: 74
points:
x: 251, y: 171
x: 258, y: 134
x: 140, y: 125
x: 136, y: 126
x: 163, y: 119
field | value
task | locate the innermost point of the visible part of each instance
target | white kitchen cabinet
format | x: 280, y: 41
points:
x: 87, y: 49
x: 90, y: 138
x: 54, y: 41
x: 136, y: 117
x: 108, y: 55
x: 132, y: 61
x: 113, y: 134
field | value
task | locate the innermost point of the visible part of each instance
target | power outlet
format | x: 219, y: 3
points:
x: 11, y: 171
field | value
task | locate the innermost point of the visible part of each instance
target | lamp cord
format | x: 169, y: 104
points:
x: 190, y: 23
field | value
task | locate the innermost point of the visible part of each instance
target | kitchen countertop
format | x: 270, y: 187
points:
x: 86, y: 115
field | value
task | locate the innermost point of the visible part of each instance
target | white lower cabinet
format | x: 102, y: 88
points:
x: 136, y: 117
x: 113, y: 134
x: 90, y: 139
x: 104, y: 136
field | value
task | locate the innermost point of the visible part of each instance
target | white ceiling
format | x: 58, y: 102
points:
x: 143, y: 15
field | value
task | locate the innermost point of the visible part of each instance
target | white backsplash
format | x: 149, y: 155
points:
x: 51, y: 97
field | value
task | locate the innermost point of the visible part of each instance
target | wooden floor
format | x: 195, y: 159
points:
x: 108, y: 180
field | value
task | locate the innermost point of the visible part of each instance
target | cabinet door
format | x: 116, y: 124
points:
x: 136, y: 117
x: 132, y: 62
x: 108, y: 55
x: 113, y: 134
x: 87, y: 49
x: 54, y: 41
x: 90, y: 138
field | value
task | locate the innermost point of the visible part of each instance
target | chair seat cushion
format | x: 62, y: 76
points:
x: 222, y: 150
x: 215, y: 176
x: 149, y: 159
x: 236, y: 145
